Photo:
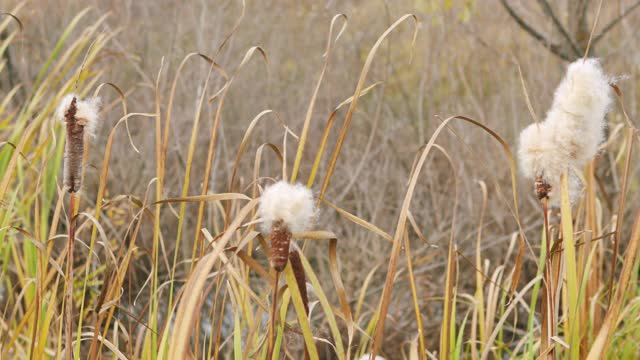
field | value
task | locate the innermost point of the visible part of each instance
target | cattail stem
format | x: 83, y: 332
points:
x: 547, y: 297
x: 69, y: 293
x: 546, y: 229
x: 272, y: 327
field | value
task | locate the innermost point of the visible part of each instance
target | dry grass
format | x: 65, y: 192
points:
x: 427, y: 244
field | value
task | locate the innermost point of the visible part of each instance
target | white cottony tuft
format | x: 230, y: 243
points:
x: 570, y: 135
x: 87, y: 112
x: 579, y: 105
x: 541, y: 155
x: 536, y: 151
x: 63, y: 106
x: 291, y: 204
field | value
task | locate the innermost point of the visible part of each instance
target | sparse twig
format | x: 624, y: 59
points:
x: 593, y: 30
x: 554, y: 48
x: 548, y: 10
x: 615, y: 22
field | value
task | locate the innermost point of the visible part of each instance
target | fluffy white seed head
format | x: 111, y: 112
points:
x: 87, y: 112
x: 580, y: 104
x: 572, y: 131
x: 291, y: 204
x: 63, y: 106
x: 536, y: 151
x: 542, y: 155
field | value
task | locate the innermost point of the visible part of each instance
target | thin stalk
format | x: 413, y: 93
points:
x: 272, y: 327
x: 548, y: 297
x: 572, y: 322
x: 68, y: 328
x: 414, y: 294
x: 616, y: 240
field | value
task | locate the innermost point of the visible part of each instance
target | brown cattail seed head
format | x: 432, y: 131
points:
x: 74, y: 148
x: 301, y: 279
x: 542, y: 188
x: 80, y: 118
x: 280, y: 240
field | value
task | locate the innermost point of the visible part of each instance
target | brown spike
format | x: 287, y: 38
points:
x: 280, y: 240
x: 74, y: 149
x: 542, y: 188
x: 298, y: 272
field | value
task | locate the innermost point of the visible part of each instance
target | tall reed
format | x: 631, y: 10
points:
x: 80, y: 119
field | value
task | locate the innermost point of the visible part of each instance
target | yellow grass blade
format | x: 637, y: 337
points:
x: 186, y: 312
x: 302, y: 316
x: 356, y: 96
x: 572, y: 323
x: 601, y: 343
x: 307, y: 120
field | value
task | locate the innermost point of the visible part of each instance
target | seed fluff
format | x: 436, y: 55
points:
x: 571, y: 133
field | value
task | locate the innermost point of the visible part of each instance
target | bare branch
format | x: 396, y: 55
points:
x: 546, y: 7
x: 615, y: 22
x: 554, y: 48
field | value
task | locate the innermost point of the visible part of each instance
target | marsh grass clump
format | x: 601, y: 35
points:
x: 571, y: 133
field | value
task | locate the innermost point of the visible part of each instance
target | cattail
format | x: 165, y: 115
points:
x: 285, y: 209
x: 543, y: 159
x: 81, y: 119
x: 571, y: 133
